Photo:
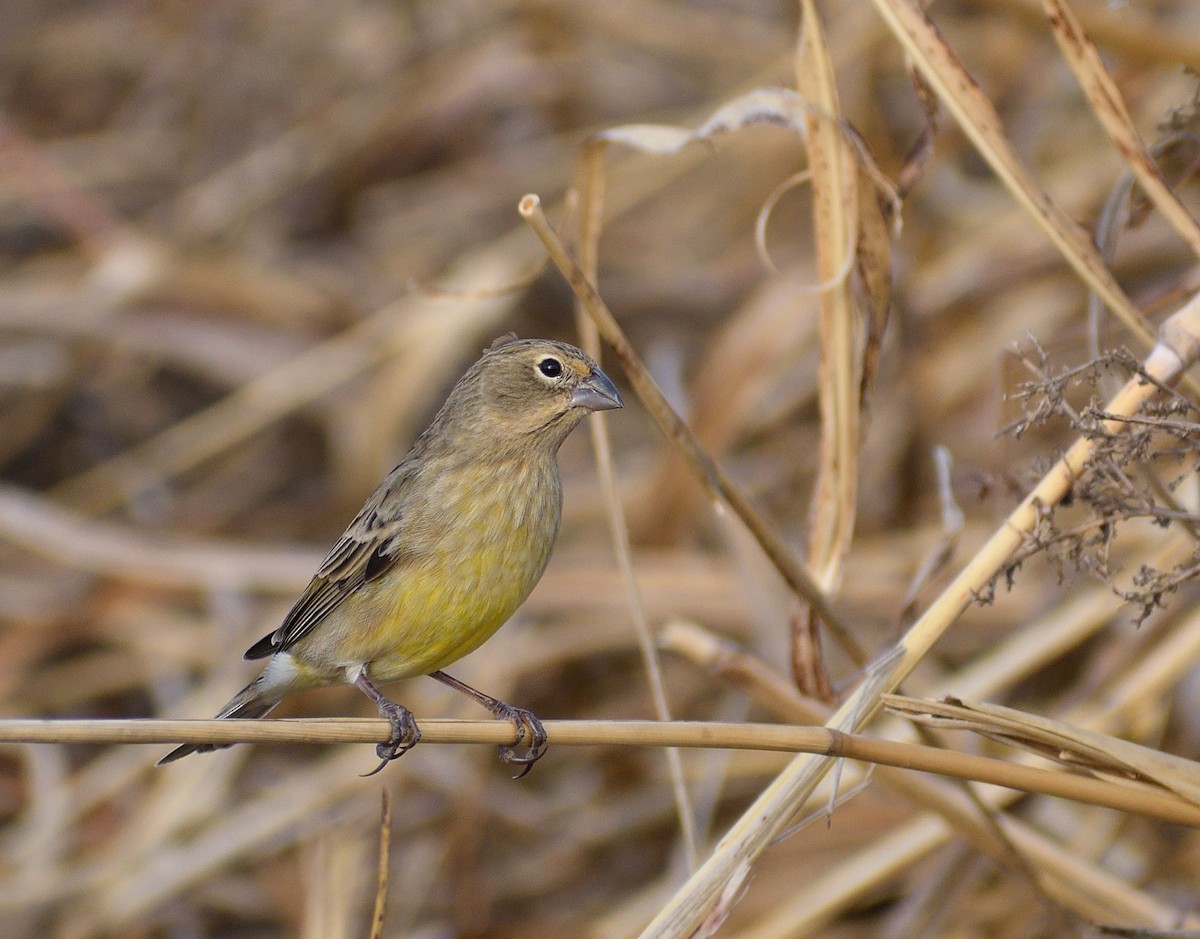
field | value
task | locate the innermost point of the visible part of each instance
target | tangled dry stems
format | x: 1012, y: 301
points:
x: 1130, y: 476
x: 212, y: 220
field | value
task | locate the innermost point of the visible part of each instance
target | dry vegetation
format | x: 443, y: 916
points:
x: 245, y: 249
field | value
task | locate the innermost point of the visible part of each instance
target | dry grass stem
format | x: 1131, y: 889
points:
x: 746, y: 839
x: 1105, y: 98
x: 1144, y: 40
x: 590, y: 189
x: 942, y: 69
x: 835, y: 229
x: 771, y: 737
x: 949, y: 811
x: 873, y: 385
x: 383, y: 869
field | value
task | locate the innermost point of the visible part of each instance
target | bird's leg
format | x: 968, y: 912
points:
x: 522, y: 719
x: 405, y: 733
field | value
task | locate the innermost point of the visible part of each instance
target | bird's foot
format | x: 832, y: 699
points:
x: 527, y: 725
x: 405, y: 733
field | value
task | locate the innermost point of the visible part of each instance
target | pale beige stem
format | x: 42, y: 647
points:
x: 777, y: 805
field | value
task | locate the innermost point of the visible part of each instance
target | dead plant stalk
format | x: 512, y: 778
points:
x: 1178, y: 348
x: 825, y: 741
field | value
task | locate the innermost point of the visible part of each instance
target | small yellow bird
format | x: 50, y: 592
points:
x: 444, y: 551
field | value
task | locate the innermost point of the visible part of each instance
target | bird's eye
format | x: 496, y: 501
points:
x: 549, y: 367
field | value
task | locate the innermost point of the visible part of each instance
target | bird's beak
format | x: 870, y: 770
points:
x: 597, y: 393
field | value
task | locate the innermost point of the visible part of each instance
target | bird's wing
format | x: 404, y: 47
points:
x: 369, y: 548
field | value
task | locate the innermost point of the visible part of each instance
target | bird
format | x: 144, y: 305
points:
x: 443, y: 552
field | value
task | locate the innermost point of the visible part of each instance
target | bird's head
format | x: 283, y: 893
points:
x: 532, y: 390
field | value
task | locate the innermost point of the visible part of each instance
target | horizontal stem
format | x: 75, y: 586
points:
x: 779, y: 737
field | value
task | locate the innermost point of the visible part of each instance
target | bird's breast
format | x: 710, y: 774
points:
x: 480, y: 544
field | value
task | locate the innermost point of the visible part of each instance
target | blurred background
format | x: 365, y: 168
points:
x: 247, y: 246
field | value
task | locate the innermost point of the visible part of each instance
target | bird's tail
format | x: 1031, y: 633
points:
x: 253, y: 701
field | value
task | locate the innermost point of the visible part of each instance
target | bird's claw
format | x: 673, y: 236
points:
x: 404, y: 736
x: 524, y: 721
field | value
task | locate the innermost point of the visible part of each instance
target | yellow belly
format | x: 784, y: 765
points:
x: 424, y: 620
x: 427, y: 613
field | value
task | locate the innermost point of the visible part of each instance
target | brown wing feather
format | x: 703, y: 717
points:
x: 367, y: 550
